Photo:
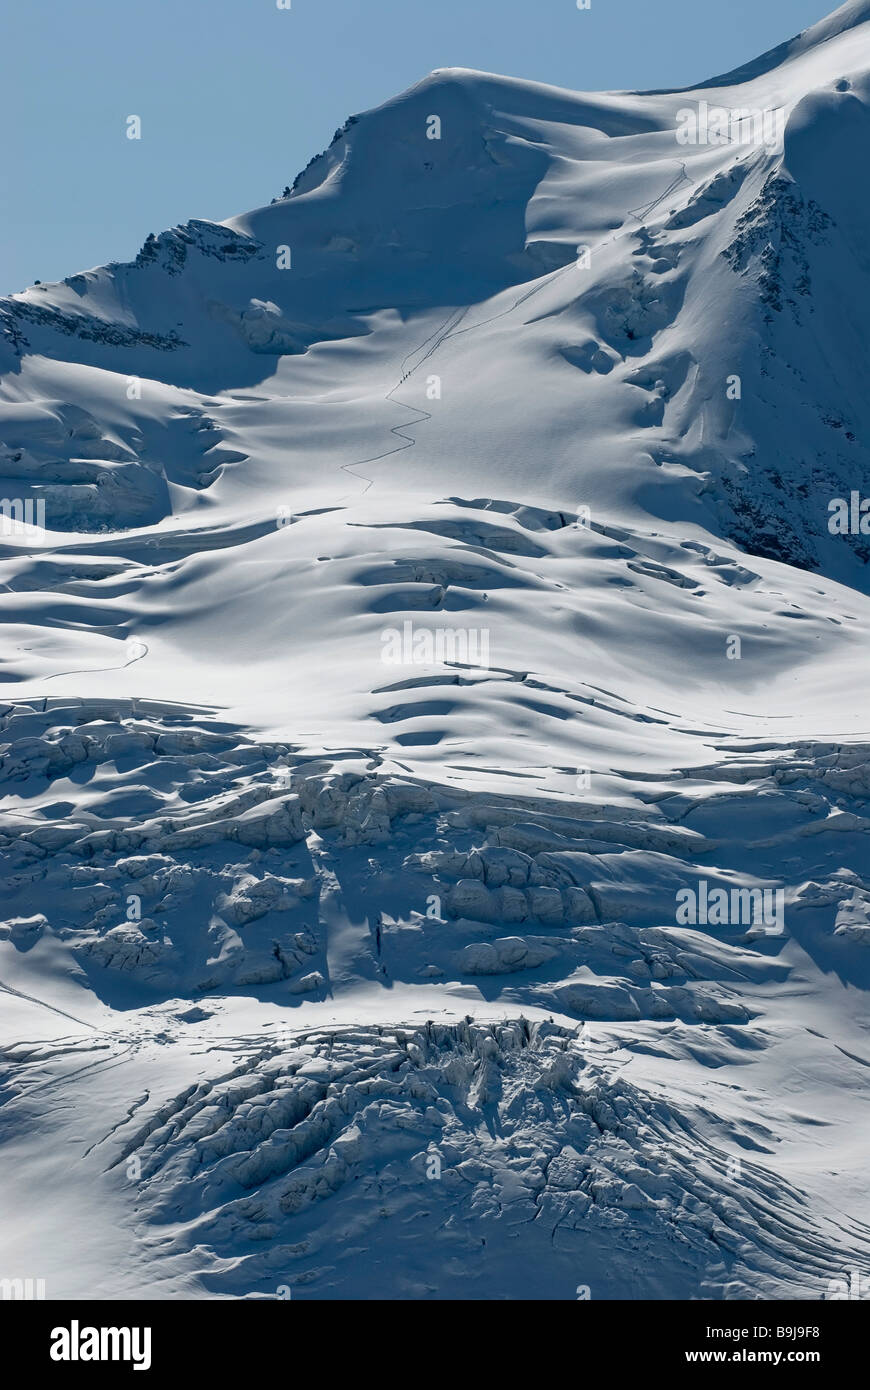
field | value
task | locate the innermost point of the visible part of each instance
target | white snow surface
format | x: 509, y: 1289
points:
x: 328, y: 977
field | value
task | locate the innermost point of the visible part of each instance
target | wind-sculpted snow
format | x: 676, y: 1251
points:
x: 434, y: 750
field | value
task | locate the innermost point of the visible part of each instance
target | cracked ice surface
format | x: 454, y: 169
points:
x: 388, y: 669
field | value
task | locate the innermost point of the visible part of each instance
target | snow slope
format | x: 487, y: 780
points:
x: 436, y: 581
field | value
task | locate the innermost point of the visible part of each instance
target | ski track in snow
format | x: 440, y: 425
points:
x: 440, y: 337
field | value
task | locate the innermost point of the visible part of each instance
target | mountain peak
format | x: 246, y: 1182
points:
x: 842, y: 21
x: 451, y: 581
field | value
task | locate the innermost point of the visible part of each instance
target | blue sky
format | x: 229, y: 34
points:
x: 235, y: 96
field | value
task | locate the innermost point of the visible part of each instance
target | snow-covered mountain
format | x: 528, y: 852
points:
x: 435, y: 742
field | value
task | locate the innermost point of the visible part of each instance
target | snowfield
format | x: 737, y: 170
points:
x: 435, y: 746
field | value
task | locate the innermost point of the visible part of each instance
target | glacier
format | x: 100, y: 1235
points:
x: 416, y: 591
